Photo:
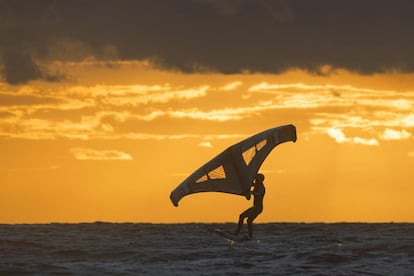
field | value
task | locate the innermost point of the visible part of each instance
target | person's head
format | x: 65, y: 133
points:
x: 259, y: 177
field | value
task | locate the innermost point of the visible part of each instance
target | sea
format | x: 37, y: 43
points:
x: 194, y: 249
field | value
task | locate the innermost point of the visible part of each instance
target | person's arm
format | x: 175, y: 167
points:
x: 250, y: 194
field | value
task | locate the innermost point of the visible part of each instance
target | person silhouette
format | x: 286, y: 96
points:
x: 251, y: 214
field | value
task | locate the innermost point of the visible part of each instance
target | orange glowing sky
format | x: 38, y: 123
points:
x: 90, y: 138
x: 111, y: 148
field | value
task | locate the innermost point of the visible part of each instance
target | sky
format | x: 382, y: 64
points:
x: 107, y: 106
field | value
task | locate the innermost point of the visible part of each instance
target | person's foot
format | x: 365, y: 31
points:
x: 245, y: 238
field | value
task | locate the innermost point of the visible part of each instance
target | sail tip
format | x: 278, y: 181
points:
x: 173, y: 199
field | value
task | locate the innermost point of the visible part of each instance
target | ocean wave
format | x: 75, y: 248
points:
x: 176, y: 249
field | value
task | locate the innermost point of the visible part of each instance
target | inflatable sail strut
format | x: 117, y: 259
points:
x: 233, y: 170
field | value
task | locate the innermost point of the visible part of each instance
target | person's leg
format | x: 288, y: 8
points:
x: 242, y: 216
x: 250, y: 219
x: 250, y: 228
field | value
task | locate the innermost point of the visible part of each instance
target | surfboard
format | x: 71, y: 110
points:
x: 230, y: 236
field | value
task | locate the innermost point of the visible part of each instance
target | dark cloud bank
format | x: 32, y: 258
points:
x: 229, y: 36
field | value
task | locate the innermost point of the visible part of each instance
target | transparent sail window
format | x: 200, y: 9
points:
x: 248, y: 155
x: 260, y: 145
x: 202, y: 179
x: 217, y: 173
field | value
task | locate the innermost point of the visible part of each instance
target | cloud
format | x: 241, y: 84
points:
x: 156, y: 110
x: 266, y: 172
x: 19, y: 68
x: 104, y: 125
x: 206, y: 144
x: 340, y: 138
x: 391, y: 134
x: 302, y: 95
x: 209, y: 35
x: 231, y: 86
x: 4, y: 114
x: 364, y: 141
x: 15, y: 100
x: 273, y: 87
x: 92, y: 154
x: 146, y: 96
x: 337, y: 134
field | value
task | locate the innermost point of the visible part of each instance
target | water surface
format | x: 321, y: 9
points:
x: 180, y: 249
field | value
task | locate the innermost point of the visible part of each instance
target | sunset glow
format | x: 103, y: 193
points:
x: 111, y: 138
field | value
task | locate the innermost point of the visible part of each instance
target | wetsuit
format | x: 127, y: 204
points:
x: 251, y: 213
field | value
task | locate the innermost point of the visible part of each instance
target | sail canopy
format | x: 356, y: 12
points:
x: 233, y: 170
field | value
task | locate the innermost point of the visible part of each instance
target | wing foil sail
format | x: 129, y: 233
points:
x: 233, y: 170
